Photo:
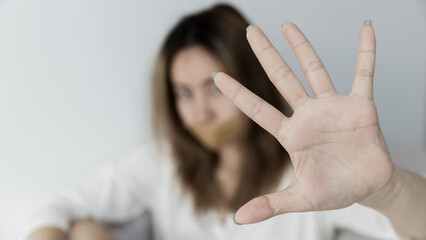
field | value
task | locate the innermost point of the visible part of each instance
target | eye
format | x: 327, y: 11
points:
x: 214, y: 88
x: 182, y: 93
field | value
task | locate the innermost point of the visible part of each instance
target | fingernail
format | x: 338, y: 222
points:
x: 235, y: 221
x: 284, y: 24
x: 213, y: 74
x: 250, y: 26
x: 367, y: 22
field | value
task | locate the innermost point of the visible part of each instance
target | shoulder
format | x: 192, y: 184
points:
x: 146, y: 165
x: 150, y: 155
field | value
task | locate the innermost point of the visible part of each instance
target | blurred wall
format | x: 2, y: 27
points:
x: 74, y: 80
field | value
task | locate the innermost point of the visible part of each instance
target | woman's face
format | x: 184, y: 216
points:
x: 203, y: 109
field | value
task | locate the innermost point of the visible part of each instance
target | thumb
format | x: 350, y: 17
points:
x: 264, y: 207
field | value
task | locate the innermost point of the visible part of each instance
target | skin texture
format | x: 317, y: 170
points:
x: 335, y: 142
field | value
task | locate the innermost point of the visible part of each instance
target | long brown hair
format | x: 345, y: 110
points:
x: 221, y: 31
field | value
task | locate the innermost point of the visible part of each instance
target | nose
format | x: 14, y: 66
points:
x: 202, y: 110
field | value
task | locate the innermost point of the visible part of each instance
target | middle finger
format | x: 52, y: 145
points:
x: 276, y: 68
x: 311, y: 64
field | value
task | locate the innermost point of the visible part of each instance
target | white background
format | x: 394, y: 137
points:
x: 74, y: 80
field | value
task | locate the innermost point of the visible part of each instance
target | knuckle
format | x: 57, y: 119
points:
x: 256, y: 108
x: 302, y: 44
x: 267, y: 200
x: 263, y: 50
x: 372, y: 52
x: 280, y: 131
x: 237, y: 92
x: 282, y: 72
x: 313, y: 66
x: 299, y: 100
x: 364, y: 73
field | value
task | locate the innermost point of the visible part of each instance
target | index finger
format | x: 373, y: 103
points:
x: 260, y: 111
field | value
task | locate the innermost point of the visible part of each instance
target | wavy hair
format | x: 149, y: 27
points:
x: 221, y: 31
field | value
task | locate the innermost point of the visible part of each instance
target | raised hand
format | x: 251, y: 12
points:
x: 335, y: 142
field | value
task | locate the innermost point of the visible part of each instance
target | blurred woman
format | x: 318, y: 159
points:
x: 208, y: 158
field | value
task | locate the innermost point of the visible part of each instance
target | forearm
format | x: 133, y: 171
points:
x: 83, y: 229
x: 404, y: 203
x: 48, y: 233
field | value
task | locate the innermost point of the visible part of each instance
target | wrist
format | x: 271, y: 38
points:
x: 383, y: 200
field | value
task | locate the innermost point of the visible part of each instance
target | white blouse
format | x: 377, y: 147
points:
x: 147, y: 181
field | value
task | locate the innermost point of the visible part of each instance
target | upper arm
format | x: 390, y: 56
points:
x: 118, y: 193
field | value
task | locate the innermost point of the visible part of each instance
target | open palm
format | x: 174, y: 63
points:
x: 335, y: 142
